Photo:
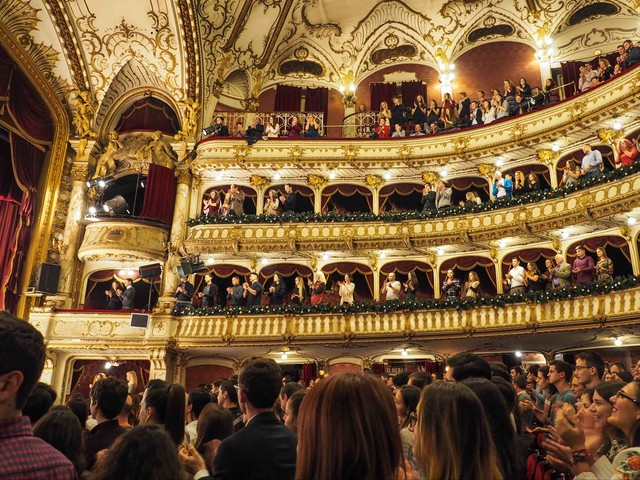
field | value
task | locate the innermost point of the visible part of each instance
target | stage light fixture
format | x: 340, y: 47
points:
x: 116, y: 205
x: 100, y: 182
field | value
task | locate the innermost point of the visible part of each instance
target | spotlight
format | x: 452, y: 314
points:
x: 116, y: 205
x: 100, y: 182
x: 617, y: 126
x: 555, y: 147
x: 92, y: 210
x: 518, y: 353
x: 107, y: 365
x: 631, y: 220
x: 387, y: 176
x: 617, y: 342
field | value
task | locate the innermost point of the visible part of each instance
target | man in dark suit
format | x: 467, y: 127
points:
x: 107, y: 396
x: 209, y: 292
x: 184, y: 292
x: 219, y: 129
x: 289, y: 200
x: 235, y: 293
x: 397, y: 112
x: 264, y: 448
x: 128, y: 296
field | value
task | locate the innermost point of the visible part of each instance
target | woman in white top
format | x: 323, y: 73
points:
x: 489, y: 112
x: 272, y: 129
x: 346, y: 290
x: 272, y: 203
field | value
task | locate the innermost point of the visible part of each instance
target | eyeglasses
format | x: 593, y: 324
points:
x: 623, y: 394
x: 578, y: 367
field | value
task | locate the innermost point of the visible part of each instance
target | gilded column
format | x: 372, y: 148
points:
x: 158, y: 363
x: 178, y: 234
x: 633, y: 250
x: 497, y: 260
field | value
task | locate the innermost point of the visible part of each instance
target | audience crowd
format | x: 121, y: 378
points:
x: 419, y: 117
x: 479, y: 420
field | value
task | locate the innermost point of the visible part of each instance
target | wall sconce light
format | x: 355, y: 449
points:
x: 348, y: 89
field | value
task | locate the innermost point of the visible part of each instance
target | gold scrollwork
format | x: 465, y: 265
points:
x: 430, y: 177
x: 316, y: 181
x: 374, y: 181
x: 610, y: 136
x: 487, y: 170
x: 258, y: 181
x: 548, y: 157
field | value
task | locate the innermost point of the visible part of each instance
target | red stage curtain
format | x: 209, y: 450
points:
x: 159, y: 194
x: 344, y: 268
x: 9, y: 227
x: 347, y: 191
x: 224, y: 271
x: 288, y: 98
x: 317, y: 100
x: 381, y: 92
x: 149, y: 114
x: 411, y: 90
x: 570, y: 73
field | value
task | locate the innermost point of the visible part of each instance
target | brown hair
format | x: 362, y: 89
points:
x: 452, y: 422
x: 348, y: 429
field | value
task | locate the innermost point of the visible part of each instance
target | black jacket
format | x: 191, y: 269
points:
x: 209, y: 295
x: 263, y: 450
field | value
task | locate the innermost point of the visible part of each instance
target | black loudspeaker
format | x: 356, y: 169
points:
x: 47, y: 278
x: 150, y: 271
x: 187, y: 268
x: 139, y: 320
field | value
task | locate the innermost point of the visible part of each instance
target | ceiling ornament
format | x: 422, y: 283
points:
x: 393, y: 51
x: 21, y: 19
x: 191, y: 48
x: 301, y: 66
x: 596, y: 37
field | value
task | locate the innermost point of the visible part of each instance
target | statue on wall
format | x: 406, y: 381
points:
x: 158, y: 151
x: 106, y: 165
x: 192, y: 111
x: 83, y: 112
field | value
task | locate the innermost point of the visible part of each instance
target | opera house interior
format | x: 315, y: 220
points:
x: 338, y: 186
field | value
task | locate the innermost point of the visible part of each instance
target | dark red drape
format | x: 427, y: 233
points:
x: 288, y: 98
x: 405, y: 266
x: 347, y: 191
x: 381, y: 92
x: 410, y: 90
x: 570, y: 73
x: 471, y: 263
x: 149, y: 114
x: 309, y: 372
x: 350, y: 268
x: 9, y: 228
x: 317, y: 100
x: 593, y: 243
x: 159, y: 194
x: 528, y: 255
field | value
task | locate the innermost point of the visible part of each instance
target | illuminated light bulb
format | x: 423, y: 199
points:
x: 130, y: 272
x: 565, y: 234
x: 617, y: 342
x: 499, y: 163
x: 102, y: 183
x: 264, y: 261
x: 555, y: 147
x: 122, y: 272
x: 277, y: 176
x: 548, y: 40
x: 404, y: 352
x: 387, y: 176
x: 617, y: 126
x: 518, y: 353
x: 444, y: 172
x: 451, y: 76
x: 503, y: 243
x: 107, y: 365
x: 283, y: 356
x: 550, y: 51
x: 631, y: 220
x: 440, y: 251
x: 211, y: 260
x: 218, y: 177
x: 352, y: 87
x: 342, y: 89
x: 383, y: 255
x: 452, y: 66
x: 325, y: 255
x: 332, y: 175
x: 93, y: 210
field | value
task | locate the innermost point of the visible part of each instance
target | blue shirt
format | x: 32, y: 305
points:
x: 591, y: 159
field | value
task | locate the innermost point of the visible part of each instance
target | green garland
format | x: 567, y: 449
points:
x: 310, y: 217
x: 464, y: 303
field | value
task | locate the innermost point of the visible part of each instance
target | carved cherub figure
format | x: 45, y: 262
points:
x: 83, y: 113
x: 106, y: 165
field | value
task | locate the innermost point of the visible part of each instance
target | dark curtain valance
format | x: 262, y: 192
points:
x: 410, y: 91
x: 344, y: 268
x: 224, y: 271
x: 346, y: 190
x: 286, y: 270
x: 593, y: 243
x: 149, y: 114
x: 301, y: 190
x: 529, y: 255
x: 467, y: 264
x: 404, y: 267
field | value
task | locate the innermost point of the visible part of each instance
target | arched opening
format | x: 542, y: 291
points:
x: 131, y: 188
x: 222, y: 278
x: 99, y: 282
x: 149, y: 113
x: 84, y: 372
x: 616, y: 248
x: 402, y: 268
x: 542, y: 176
x: 288, y: 273
x: 250, y: 199
x: 608, y: 160
x: 197, y: 375
x: 361, y: 276
x: 401, y: 197
x: 346, y: 198
x: 305, y: 196
x: 484, y: 268
x: 460, y: 187
x: 26, y: 129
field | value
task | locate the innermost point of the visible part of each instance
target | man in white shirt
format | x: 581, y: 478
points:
x: 391, y: 288
x: 516, y: 276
